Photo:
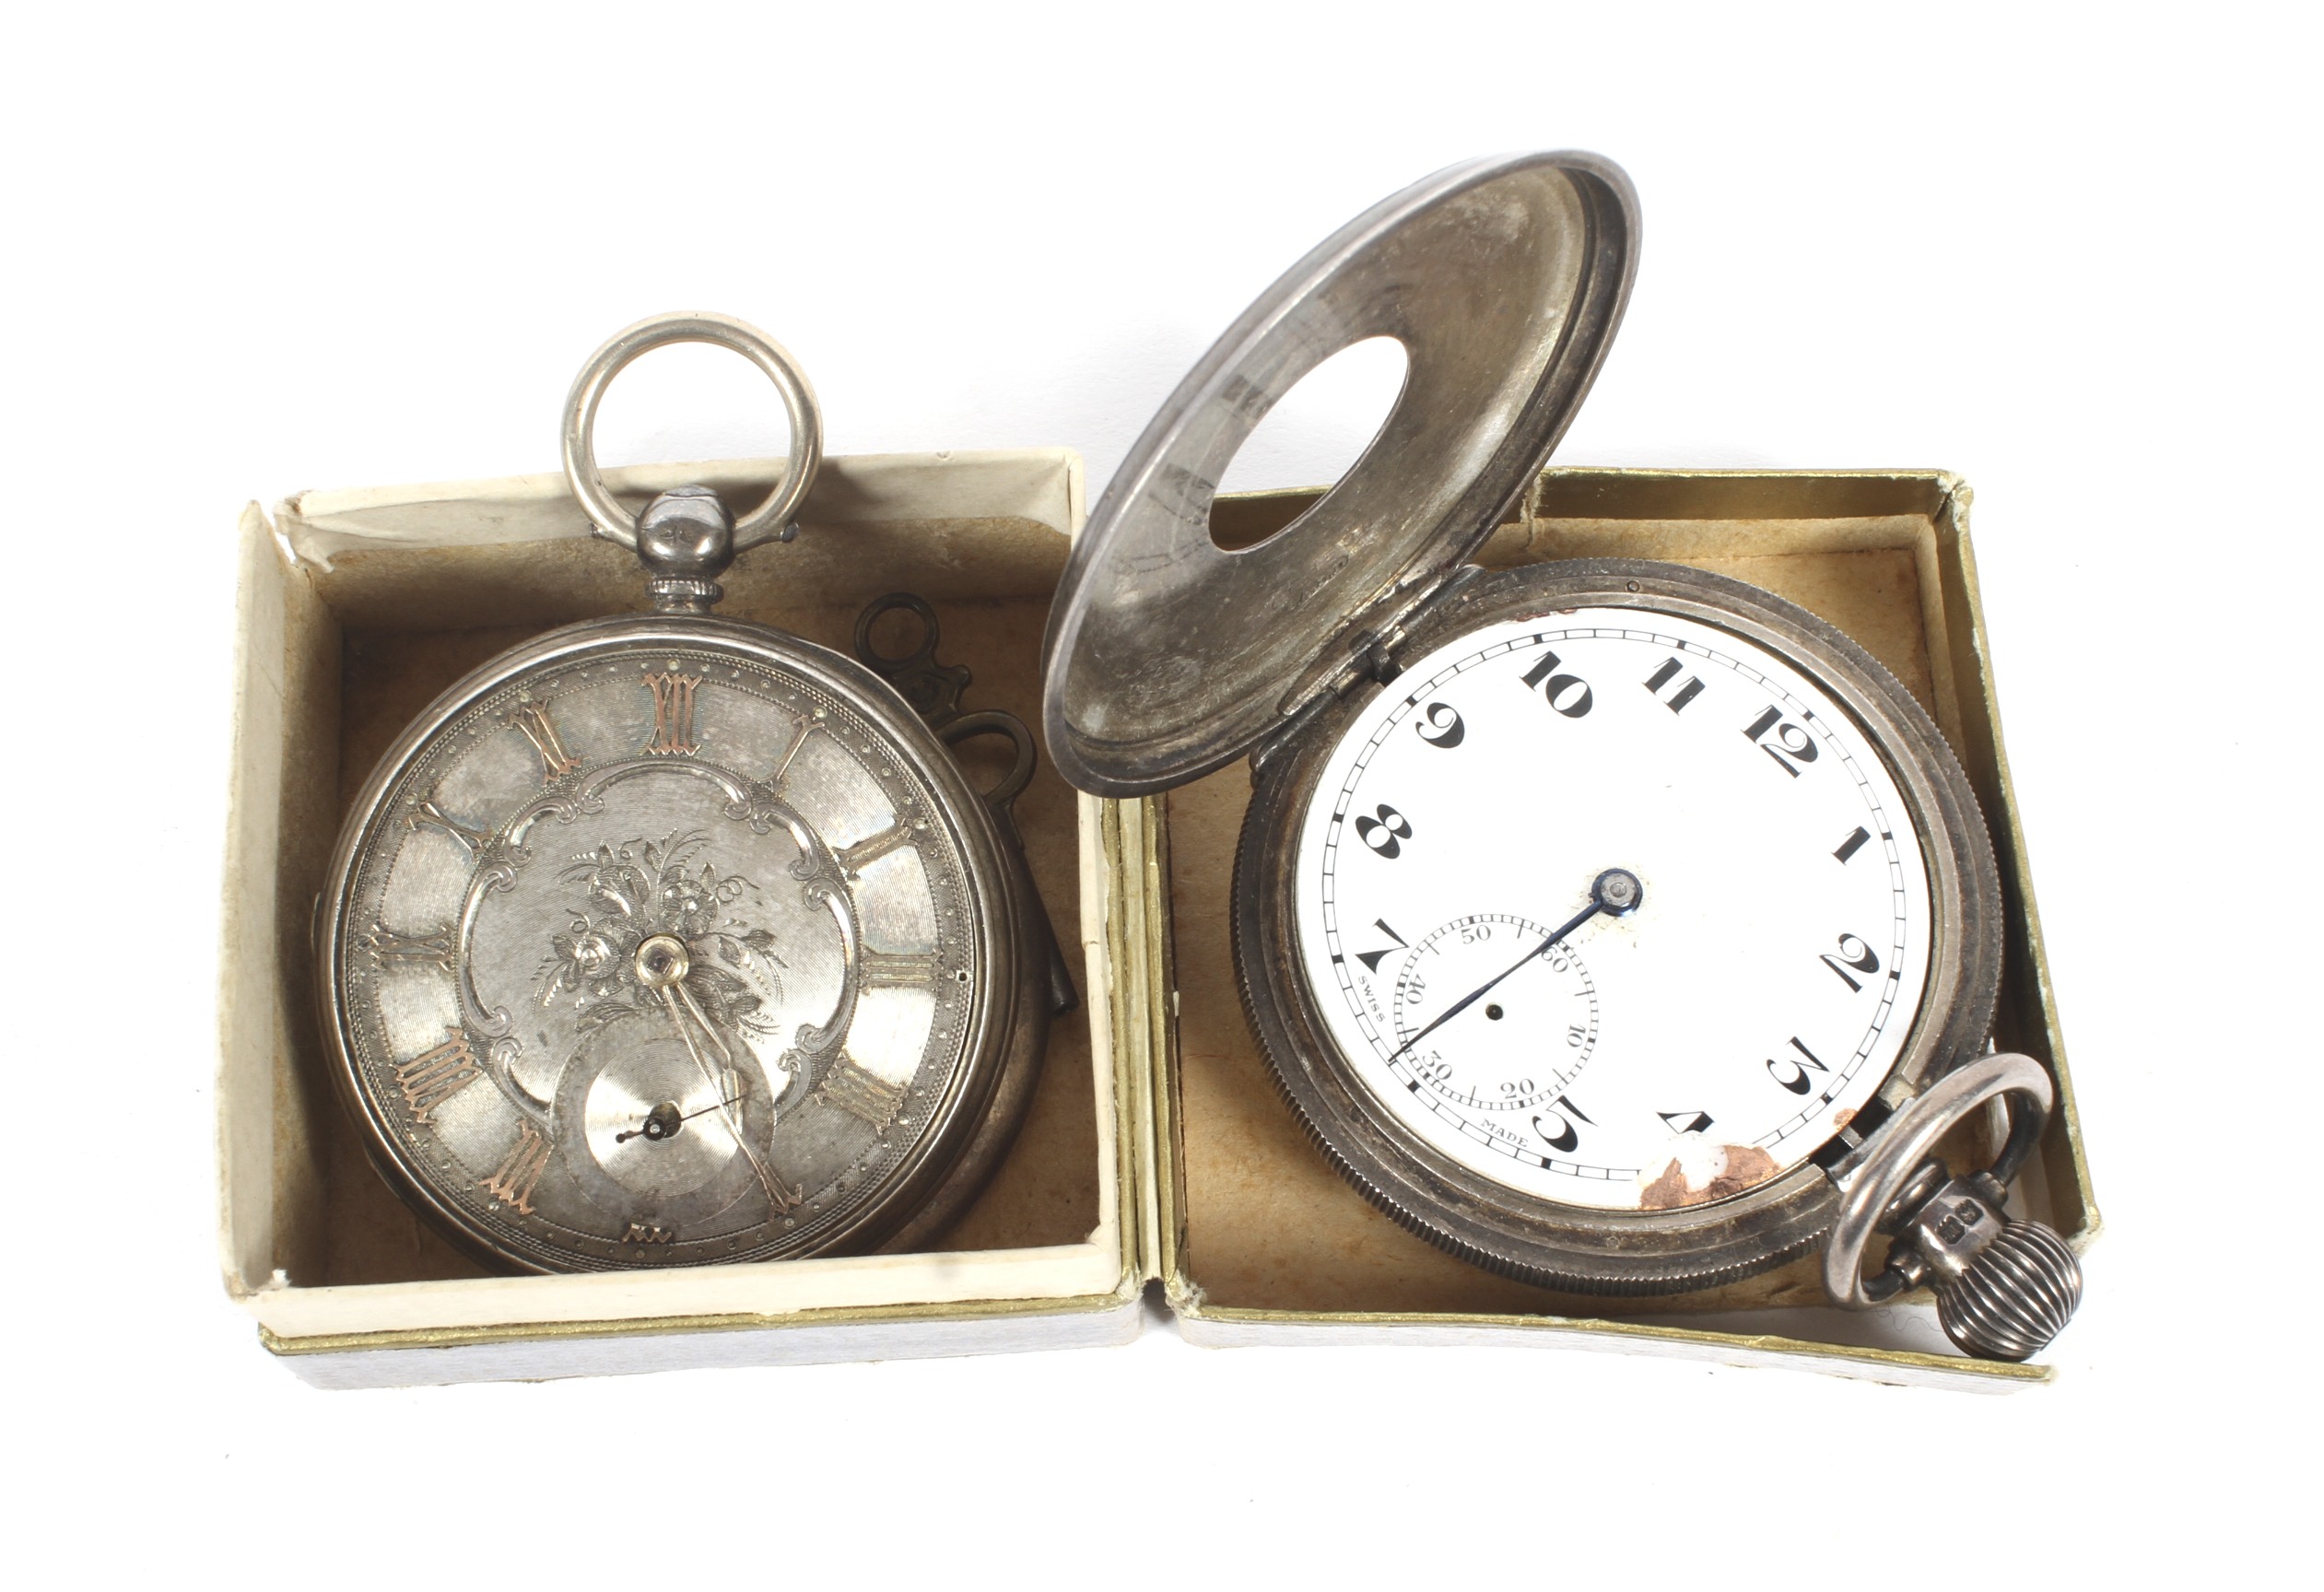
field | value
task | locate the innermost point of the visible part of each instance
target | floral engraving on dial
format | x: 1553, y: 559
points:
x: 665, y: 956
x: 641, y: 888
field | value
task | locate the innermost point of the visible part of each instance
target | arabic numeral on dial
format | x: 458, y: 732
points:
x: 1576, y: 1037
x: 1564, y: 1137
x: 1387, y: 833
x: 1854, y: 954
x: 1442, y: 728
x: 1797, y: 1080
x: 1677, y: 700
x: 1793, y: 747
x: 1568, y: 694
x: 1372, y: 959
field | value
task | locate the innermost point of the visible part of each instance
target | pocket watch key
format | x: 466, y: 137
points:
x: 1614, y: 925
x: 668, y: 938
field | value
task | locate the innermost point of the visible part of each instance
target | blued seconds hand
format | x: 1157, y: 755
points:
x: 1615, y: 892
x: 664, y: 1120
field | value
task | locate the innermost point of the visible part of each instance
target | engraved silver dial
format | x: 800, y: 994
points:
x: 659, y: 943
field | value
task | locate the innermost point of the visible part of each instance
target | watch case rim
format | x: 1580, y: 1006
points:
x: 968, y: 1131
x: 1489, y: 1223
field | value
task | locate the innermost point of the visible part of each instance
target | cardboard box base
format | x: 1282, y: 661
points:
x: 1267, y: 1243
x: 1157, y: 1147
x: 358, y: 608
x: 909, y: 1334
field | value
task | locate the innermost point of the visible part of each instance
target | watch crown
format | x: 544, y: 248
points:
x: 2004, y: 1289
x: 686, y: 540
x: 2015, y: 1296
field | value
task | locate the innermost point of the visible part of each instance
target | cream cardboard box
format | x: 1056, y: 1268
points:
x: 1156, y: 1148
x: 1263, y: 1242
x: 357, y: 609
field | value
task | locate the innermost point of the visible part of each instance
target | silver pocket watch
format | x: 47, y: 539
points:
x: 668, y: 938
x: 1614, y: 925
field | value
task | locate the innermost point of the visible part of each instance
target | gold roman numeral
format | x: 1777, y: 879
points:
x: 890, y: 969
x: 673, y: 714
x: 426, y: 812
x: 872, y: 848
x: 532, y: 720
x: 430, y: 1079
x: 520, y: 1171
x: 801, y: 728
x: 390, y: 946
x: 861, y: 1093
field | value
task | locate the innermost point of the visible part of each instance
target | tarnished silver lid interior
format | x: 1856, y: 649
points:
x: 1503, y: 280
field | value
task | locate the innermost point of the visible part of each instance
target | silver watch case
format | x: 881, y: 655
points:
x: 965, y: 1135
x: 1488, y: 1223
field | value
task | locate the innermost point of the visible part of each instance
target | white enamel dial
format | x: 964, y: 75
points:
x: 1671, y: 1055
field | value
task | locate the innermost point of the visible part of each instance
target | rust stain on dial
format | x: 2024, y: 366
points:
x: 1740, y: 1166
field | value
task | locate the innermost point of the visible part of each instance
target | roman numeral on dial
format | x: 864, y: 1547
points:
x: 861, y: 1093
x: 673, y: 714
x: 891, y: 969
x: 390, y: 946
x: 872, y: 848
x: 424, y: 812
x: 519, y: 1174
x: 434, y: 1076
x: 531, y: 720
x: 801, y: 728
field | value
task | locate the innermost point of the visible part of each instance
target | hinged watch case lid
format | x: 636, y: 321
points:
x: 1504, y: 278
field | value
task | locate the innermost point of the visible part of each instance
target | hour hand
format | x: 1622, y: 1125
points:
x: 662, y: 964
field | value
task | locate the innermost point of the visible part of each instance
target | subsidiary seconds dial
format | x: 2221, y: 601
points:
x: 1499, y: 1063
x: 1672, y: 1055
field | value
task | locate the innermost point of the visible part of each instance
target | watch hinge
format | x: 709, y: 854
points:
x: 1288, y: 732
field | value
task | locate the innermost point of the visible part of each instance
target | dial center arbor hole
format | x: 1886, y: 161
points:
x: 1494, y: 1012
x: 1312, y: 437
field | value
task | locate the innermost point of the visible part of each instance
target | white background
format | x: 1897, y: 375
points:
x: 2071, y: 256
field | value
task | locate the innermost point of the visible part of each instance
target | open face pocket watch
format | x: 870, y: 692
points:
x: 667, y: 939
x: 1611, y: 924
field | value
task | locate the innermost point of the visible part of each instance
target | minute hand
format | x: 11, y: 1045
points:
x: 1615, y: 891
